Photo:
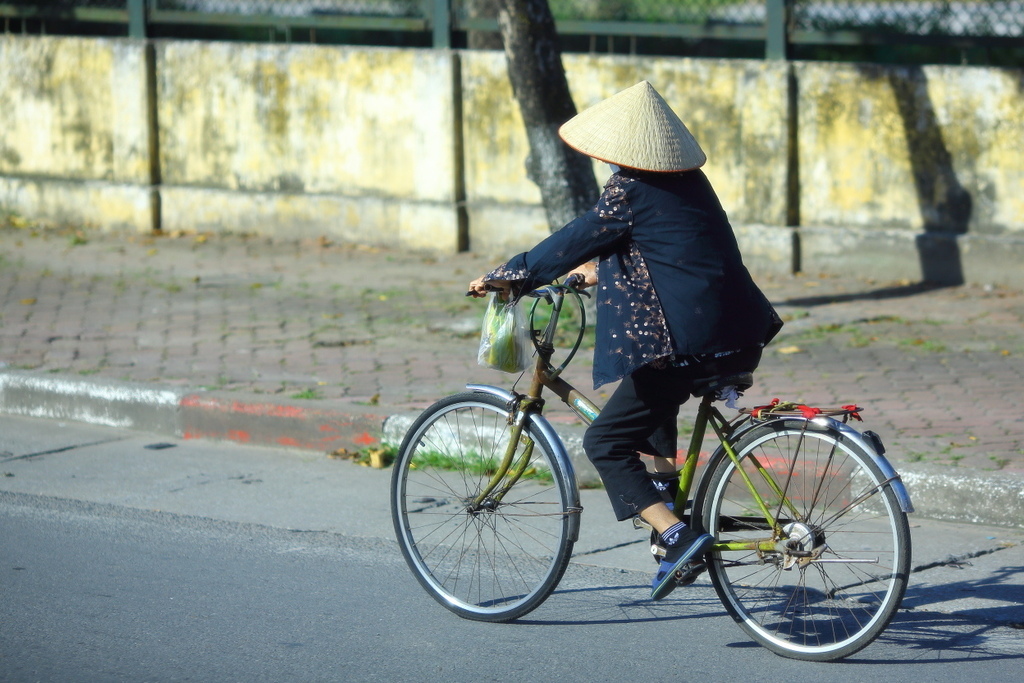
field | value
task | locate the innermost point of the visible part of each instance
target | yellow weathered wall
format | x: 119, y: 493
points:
x: 886, y: 147
x: 74, y: 141
x: 357, y: 143
x: 73, y: 108
x: 367, y: 145
x: 307, y: 119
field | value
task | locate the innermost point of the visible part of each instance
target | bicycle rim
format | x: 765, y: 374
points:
x: 502, y: 560
x: 833, y: 582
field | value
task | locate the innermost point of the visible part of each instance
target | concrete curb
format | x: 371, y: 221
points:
x: 187, y: 414
x: 114, y: 404
x: 969, y: 496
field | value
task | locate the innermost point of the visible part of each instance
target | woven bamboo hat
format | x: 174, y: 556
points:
x: 637, y: 129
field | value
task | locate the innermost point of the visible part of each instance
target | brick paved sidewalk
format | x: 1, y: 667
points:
x: 937, y: 370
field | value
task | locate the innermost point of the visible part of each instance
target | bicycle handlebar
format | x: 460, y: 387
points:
x: 573, y: 283
x: 553, y: 295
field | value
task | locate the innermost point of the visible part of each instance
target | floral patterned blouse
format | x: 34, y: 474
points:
x: 671, y: 288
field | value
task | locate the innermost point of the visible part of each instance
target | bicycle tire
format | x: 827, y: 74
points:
x: 504, y: 560
x: 819, y: 608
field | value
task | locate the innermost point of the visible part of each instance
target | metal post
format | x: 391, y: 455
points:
x: 776, y: 44
x: 442, y: 23
x: 137, y: 18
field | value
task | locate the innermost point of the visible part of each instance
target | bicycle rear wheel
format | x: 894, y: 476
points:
x: 834, y: 579
x: 490, y: 560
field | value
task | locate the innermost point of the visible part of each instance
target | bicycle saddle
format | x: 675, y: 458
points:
x: 706, y: 385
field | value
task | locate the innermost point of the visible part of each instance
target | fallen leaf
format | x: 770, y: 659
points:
x: 790, y: 349
x: 377, y: 459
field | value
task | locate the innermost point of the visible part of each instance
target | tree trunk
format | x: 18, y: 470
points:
x: 565, y: 177
x: 482, y: 40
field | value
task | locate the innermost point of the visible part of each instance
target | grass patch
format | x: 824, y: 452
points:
x: 308, y: 394
x: 929, y: 345
x: 1000, y: 463
x: 475, y: 464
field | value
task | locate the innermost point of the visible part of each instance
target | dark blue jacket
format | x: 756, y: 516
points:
x: 670, y: 278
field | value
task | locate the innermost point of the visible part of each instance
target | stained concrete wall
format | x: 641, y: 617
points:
x: 912, y: 172
x: 889, y: 172
x: 356, y: 143
x: 74, y: 135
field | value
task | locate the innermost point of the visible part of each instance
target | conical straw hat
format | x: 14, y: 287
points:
x: 634, y: 128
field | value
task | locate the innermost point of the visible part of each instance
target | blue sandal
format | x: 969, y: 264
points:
x: 675, y: 557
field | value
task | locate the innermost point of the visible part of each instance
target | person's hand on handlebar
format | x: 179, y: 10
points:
x: 480, y: 287
x: 582, y: 276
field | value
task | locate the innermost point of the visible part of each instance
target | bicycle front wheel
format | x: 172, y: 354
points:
x: 488, y: 556
x: 826, y: 579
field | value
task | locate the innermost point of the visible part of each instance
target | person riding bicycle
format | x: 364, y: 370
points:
x: 675, y: 304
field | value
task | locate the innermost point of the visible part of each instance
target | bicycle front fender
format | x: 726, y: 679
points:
x: 560, y: 455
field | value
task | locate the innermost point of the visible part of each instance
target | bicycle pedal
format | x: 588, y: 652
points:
x: 657, y: 550
x: 689, y: 572
x: 640, y: 523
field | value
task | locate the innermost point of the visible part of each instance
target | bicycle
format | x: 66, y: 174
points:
x: 812, y: 549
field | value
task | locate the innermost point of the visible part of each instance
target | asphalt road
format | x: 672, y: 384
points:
x: 215, y: 562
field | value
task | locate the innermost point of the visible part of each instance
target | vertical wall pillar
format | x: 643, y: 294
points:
x: 777, y: 47
x: 137, y: 18
x: 138, y: 29
x: 459, y: 156
x: 442, y: 23
x: 153, y: 134
x: 776, y: 44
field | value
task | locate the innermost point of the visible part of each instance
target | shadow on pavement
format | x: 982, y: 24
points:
x: 900, y: 292
x: 622, y: 604
x: 999, y: 597
x: 924, y: 637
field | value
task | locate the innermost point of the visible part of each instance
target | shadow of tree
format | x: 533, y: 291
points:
x: 602, y: 605
x: 870, y: 295
x: 1002, y: 585
x: 918, y: 635
x: 944, y: 203
x: 923, y: 637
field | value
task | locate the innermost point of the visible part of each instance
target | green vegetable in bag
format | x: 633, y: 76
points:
x: 504, y: 339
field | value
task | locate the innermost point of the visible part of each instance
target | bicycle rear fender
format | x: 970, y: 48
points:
x: 851, y: 434
x: 560, y: 456
x: 902, y: 495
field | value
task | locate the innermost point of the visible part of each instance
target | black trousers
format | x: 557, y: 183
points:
x: 640, y: 417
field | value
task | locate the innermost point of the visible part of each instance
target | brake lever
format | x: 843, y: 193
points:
x: 575, y: 282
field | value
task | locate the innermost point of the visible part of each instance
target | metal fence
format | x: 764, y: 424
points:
x: 783, y: 26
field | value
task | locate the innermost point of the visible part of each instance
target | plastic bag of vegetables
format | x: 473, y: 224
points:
x: 504, y: 339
